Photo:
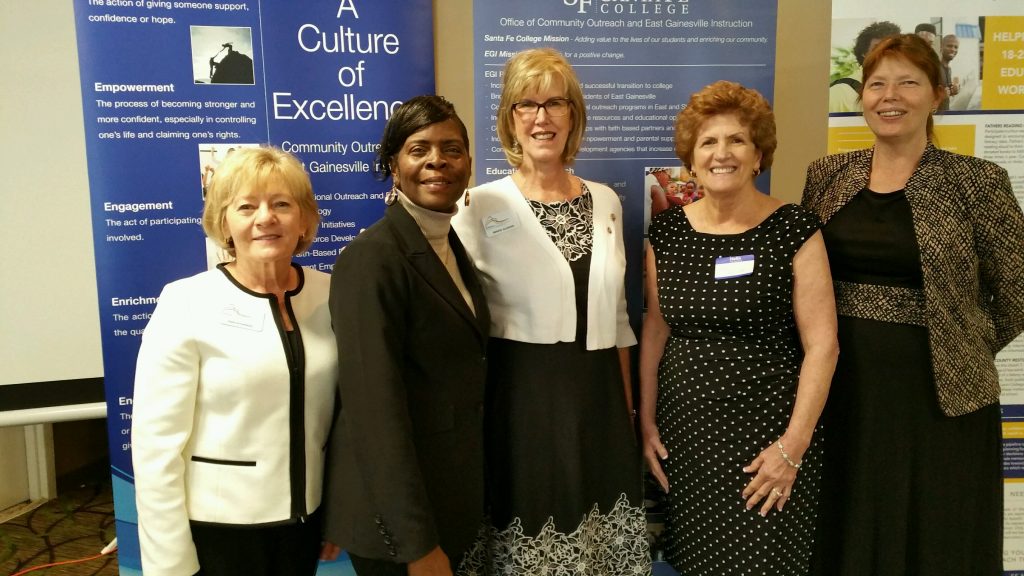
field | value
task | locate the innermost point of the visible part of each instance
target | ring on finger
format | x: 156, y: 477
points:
x: 778, y: 493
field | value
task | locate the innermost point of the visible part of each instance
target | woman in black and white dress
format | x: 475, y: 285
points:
x: 563, y: 464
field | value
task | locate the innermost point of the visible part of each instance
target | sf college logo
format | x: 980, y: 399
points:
x: 583, y: 4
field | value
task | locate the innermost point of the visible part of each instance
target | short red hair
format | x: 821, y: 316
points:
x: 724, y: 97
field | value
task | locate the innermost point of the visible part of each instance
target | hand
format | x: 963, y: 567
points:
x: 954, y: 88
x: 773, y: 479
x: 329, y: 551
x: 654, y: 453
x: 435, y: 563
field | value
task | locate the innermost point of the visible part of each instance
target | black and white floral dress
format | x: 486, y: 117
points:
x: 563, y: 463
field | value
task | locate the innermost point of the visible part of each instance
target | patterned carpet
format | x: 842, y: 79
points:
x: 77, y: 524
x: 80, y: 522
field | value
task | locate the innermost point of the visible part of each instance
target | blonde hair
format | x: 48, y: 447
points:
x: 248, y: 168
x: 539, y: 69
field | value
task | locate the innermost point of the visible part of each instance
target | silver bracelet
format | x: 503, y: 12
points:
x: 785, y: 456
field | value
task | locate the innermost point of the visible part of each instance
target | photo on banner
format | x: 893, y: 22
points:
x: 230, y: 62
x: 168, y: 91
x: 981, y: 47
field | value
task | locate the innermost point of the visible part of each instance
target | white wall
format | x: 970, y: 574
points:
x: 50, y: 321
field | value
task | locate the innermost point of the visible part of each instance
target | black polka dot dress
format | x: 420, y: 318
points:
x: 726, y: 387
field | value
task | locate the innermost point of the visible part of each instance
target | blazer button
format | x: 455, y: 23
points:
x: 609, y: 229
x: 613, y: 217
x: 382, y: 531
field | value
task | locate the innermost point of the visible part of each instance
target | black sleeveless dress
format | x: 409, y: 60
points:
x: 726, y: 387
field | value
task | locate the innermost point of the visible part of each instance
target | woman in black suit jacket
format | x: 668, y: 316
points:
x: 405, y: 480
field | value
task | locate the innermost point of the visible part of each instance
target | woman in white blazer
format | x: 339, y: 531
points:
x: 235, y: 387
x: 563, y: 464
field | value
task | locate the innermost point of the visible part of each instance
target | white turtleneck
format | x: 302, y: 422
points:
x: 435, y: 227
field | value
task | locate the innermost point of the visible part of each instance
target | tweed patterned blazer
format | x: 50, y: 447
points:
x: 970, y: 231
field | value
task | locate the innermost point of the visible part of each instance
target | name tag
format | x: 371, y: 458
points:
x: 237, y: 317
x: 728, y: 267
x: 499, y: 222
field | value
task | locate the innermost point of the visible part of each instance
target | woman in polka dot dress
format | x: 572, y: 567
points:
x: 739, y: 346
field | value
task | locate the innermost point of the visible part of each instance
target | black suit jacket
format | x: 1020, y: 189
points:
x: 405, y: 462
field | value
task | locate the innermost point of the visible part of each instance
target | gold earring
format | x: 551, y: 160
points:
x: 757, y: 171
x: 515, y: 147
x: 392, y: 196
x: 465, y: 199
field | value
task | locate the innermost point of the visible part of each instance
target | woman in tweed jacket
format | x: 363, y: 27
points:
x: 927, y: 253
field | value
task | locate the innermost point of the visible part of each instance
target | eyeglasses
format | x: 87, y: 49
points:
x: 555, y: 107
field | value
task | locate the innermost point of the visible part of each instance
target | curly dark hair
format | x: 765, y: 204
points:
x: 871, y: 33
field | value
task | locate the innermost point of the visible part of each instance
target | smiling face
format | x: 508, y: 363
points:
x: 432, y: 168
x: 724, y: 156
x: 898, y: 99
x: 264, y: 223
x: 950, y: 47
x: 542, y: 136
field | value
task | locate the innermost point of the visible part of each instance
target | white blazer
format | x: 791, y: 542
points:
x: 211, y: 429
x: 528, y: 282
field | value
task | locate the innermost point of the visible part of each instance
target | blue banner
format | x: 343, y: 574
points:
x: 638, y: 61
x: 169, y: 89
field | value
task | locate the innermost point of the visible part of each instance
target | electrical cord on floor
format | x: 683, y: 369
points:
x: 109, y: 548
